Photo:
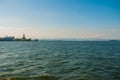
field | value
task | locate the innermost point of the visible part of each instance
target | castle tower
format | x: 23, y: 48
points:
x: 24, y: 37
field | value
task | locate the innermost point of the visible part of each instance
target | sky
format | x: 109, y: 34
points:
x: 60, y: 18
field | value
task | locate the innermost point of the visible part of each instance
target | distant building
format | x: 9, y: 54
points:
x: 24, y: 37
x: 8, y: 38
x: 12, y: 38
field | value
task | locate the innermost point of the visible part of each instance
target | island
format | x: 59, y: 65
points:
x: 12, y: 38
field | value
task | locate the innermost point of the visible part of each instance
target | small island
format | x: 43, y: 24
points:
x: 12, y: 38
x: 114, y: 40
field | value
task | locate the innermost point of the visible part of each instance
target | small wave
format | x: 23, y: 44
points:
x: 45, y: 77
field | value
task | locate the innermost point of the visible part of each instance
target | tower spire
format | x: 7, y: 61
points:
x: 24, y: 37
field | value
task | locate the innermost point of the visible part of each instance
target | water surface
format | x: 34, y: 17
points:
x: 60, y: 60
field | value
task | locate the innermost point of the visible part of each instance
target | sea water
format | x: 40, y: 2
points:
x: 60, y: 60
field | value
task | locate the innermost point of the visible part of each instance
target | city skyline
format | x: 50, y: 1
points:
x: 60, y: 18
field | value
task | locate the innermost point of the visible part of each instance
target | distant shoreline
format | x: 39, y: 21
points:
x: 63, y: 40
x: 12, y: 38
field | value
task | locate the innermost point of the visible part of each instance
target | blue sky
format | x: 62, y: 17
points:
x: 60, y: 18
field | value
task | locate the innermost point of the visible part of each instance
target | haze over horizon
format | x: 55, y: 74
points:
x: 60, y: 18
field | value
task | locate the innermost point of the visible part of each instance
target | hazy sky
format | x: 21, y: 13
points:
x: 60, y: 18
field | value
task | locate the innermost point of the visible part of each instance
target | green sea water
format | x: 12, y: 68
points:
x: 60, y: 60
